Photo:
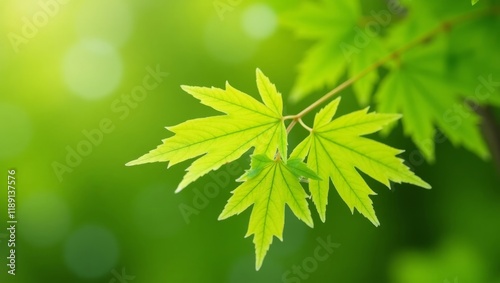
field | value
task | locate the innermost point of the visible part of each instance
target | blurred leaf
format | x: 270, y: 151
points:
x: 341, y: 44
x: 416, y: 86
x: 363, y: 88
x: 454, y: 262
x: 475, y: 74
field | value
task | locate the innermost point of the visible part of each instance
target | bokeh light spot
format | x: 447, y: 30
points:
x: 92, y: 69
x: 45, y: 219
x: 259, y: 21
x: 110, y: 21
x: 227, y: 43
x: 91, y: 251
x: 156, y: 212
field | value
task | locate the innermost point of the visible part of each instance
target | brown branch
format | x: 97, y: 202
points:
x: 443, y: 27
x: 491, y: 133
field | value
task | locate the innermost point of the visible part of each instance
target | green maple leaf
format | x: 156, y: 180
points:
x: 416, y: 86
x: 222, y: 139
x: 334, y: 25
x: 270, y: 185
x: 335, y: 149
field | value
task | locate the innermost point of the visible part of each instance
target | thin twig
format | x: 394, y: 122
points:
x: 304, y: 125
x: 292, y: 124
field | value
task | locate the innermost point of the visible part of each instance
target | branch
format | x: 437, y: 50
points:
x: 446, y: 26
x: 491, y: 133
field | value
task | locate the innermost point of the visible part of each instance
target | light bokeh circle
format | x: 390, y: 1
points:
x: 259, y: 21
x: 92, y: 69
x: 110, y: 21
x: 156, y: 213
x: 46, y: 219
x: 227, y: 43
x: 91, y: 251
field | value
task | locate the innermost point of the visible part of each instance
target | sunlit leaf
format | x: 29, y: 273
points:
x: 274, y: 185
x: 336, y: 150
x: 221, y: 139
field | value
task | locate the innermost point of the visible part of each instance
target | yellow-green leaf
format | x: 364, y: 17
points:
x: 336, y: 150
x: 221, y: 139
x: 273, y: 186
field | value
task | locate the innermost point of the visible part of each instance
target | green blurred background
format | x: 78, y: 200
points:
x: 99, y: 221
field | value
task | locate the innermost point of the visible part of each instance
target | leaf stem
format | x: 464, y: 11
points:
x: 304, y: 125
x: 292, y: 124
x: 443, y: 27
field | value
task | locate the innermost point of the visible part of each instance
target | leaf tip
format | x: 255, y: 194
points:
x: 258, y: 265
x: 222, y: 216
x: 259, y: 259
x: 425, y: 185
x: 375, y: 222
x: 130, y: 163
x: 179, y: 189
x: 373, y: 219
x: 186, y: 88
x: 322, y: 217
x: 309, y: 223
x: 137, y: 161
x: 258, y: 72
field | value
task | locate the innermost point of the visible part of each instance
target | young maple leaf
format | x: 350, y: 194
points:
x: 268, y: 186
x: 222, y: 139
x: 335, y: 149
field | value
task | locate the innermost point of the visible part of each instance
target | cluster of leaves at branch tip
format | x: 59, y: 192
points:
x: 334, y: 150
x: 420, y: 84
